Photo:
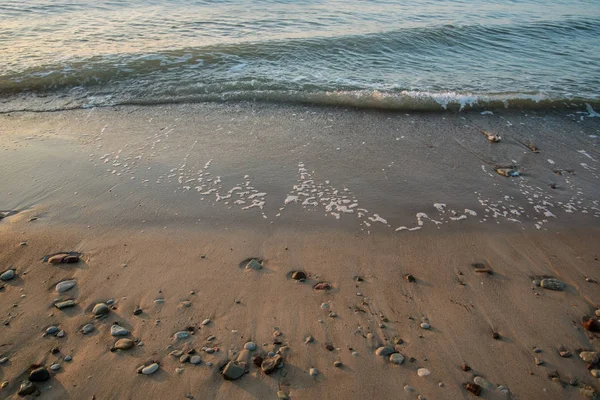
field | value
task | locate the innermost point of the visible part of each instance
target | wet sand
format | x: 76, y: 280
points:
x: 142, y: 194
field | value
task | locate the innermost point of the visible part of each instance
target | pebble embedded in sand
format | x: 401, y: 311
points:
x: 233, y: 370
x: 483, y: 383
x: 195, y: 360
x: 337, y: 364
x: 253, y: 264
x: 100, y: 310
x: 422, y: 372
x: 184, y: 358
x: 26, y: 388
x: 309, y: 339
x: 7, y: 275
x: 384, y: 351
x: 123, y: 344
x: 552, y: 284
x: 595, y: 373
x: 251, y: 346
x: 591, y: 324
x: 206, y: 321
x: 65, y: 304
x: 68, y: 358
x: 55, y: 367
x: 473, y: 388
x: 282, y: 395
x: 176, y: 353
x: 181, y: 335
x: 159, y: 301
x: 3, y: 360
x: 60, y: 334
x: 322, y: 286
x: 39, y: 374
x: 590, y: 357
x: 88, y: 328
x: 409, y: 278
x: 409, y: 388
x: 299, y: 275
x: 117, y: 330
x: 57, y: 258
x: 597, y: 313
x: 51, y: 330
x: 150, y: 369
x: 425, y: 325
x: 396, y: 358
x: 313, y: 372
x: 65, y: 285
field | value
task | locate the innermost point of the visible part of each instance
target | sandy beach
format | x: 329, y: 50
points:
x: 436, y: 270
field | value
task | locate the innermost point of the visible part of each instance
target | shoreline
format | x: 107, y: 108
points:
x: 163, y: 205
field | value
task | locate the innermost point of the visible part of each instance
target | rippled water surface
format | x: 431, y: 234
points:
x: 398, y: 54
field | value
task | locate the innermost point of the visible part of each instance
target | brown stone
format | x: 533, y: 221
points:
x: 57, y: 259
x: 591, y: 324
x: 473, y: 388
x: 269, y: 364
x: 322, y: 286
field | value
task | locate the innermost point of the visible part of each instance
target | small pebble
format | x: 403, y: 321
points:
x: 309, y: 339
x: 251, y: 346
x: 425, y: 325
x: 88, y: 328
x: 206, y: 321
x: 55, y: 367
x: 68, y: 358
x: 159, y: 301
x: 117, y: 330
x: 538, y: 361
x: 396, y: 358
x: 3, y: 360
x: 110, y: 302
x: 179, y: 370
x: 51, y: 330
x: 422, y: 372
x: 150, y: 369
x: 337, y: 364
x: 195, y: 360
x: 332, y: 315
x: 409, y: 388
x: 313, y: 372
x: 209, y: 364
x: 537, y: 350
x: 100, y: 309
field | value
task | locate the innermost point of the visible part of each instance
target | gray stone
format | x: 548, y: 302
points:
x: 409, y: 388
x: 195, y: 360
x: 51, y: 330
x: 483, y: 383
x: 55, y: 367
x: 552, y: 284
x: 313, y: 372
x: 309, y: 339
x: 110, y: 302
x: 159, y: 301
x: 26, y: 388
x: 422, y: 372
x: 337, y: 364
x: 176, y: 353
x: 396, y: 358
x: 233, y: 370
x: 60, y: 334
x: 64, y: 286
x: 425, y: 325
x: 206, y: 321
x: 536, y: 282
x: 184, y: 358
x: 3, y: 360
x: 384, y: 351
x: 68, y: 358
x: 181, y: 335
x: 65, y: 304
x: 100, y: 309
x: 150, y: 369
x: 254, y: 264
x: 117, y: 330
x: 251, y: 346
x: 88, y: 328
x: 7, y: 275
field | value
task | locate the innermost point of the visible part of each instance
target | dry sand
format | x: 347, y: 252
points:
x: 152, y: 238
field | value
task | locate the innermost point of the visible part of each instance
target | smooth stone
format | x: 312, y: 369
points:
x: 337, y: 364
x: 70, y: 259
x: 324, y: 306
x: 7, y: 275
x: 40, y: 374
x: 423, y: 372
x: 483, y: 383
x: 137, y: 311
x: 55, y: 367
x: 110, y: 302
x: 124, y: 344
x: 355, y: 353
x: 595, y: 373
x: 254, y: 264
x: 116, y: 330
x: 384, y: 351
x: 3, y: 384
x: 597, y: 313
x: 282, y: 395
x: 3, y: 360
x: 209, y: 350
x: 65, y: 304
x: 313, y: 372
x: 159, y: 301
x: 68, y: 358
x: 88, y: 328
x: 195, y: 360
x: 179, y: 370
x: 425, y: 325
x: 251, y: 346
x: 57, y: 258
x: 100, y: 309
x: 396, y: 358
x: 409, y: 388
x: 176, y: 353
x: 181, y: 335
x: 60, y: 334
x: 536, y: 282
x: 589, y: 356
x: 309, y: 339
x: 552, y: 284
x: 206, y: 321
x: 233, y: 370
x: 51, y: 330
x: 64, y: 286
x: 26, y: 388
x: 184, y: 358
x: 150, y: 369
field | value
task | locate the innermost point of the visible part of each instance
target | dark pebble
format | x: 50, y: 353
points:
x: 40, y: 374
